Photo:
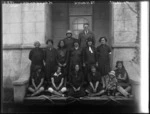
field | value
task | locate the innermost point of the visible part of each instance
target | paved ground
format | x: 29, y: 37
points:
x: 55, y: 105
x: 76, y: 107
x: 65, y: 105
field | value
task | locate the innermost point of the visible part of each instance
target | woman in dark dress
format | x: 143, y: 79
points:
x: 89, y: 56
x: 103, y: 56
x: 95, y: 85
x: 36, y: 56
x: 76, y: 82
x: 62, y: 56
x: 123, y: 86
x: 103, y: 52
x: 76, y: 55
x: 36, y: 81
x: 58, y: 86
x: 69, y: 40
x: 50, y: 57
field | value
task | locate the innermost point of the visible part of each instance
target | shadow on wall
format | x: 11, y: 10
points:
x: 133, y: 70
x: 8, y: 95
x: 8, y: 89
x: 23, y: 73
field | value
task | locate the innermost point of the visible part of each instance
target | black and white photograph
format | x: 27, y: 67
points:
x: 75, y: 56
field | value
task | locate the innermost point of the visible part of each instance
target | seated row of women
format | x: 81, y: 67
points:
x: 114, y: 83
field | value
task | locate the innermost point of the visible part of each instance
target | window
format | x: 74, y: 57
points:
x: 78, y: 15
x: 78, y: 25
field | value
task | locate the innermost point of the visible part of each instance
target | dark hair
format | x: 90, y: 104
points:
x: 49, y: 40
x: 102, y: 38
x: 118, y: 63
x: 69, y: 33
x: 59, y: 44
x: 73, y: 67
x: 86, y: 24
x: 123, y: 68
x: 93, y: 66
x: 89, y: 39
x: 57, y: 67
x: 37, y: 67
x: 76, y: 41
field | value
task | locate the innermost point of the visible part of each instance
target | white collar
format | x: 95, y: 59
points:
x: 76, y: 48
x: 55, y: 74
x: 90, y: 49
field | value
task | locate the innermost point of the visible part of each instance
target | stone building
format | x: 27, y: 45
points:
x: 25, y: 23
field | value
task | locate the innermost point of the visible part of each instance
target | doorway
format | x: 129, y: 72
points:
x: 65, y: 16
x: 78, y: 15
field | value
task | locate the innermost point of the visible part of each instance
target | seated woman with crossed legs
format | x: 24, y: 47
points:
x: 58, y: 83
x: 76, y: 82
x: 95, y: 87
x: 123, y: 86
x: 36, y: 81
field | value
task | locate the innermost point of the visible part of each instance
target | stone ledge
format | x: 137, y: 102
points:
x: 30, y: 46
x: 20, y: 46
x: 19, y: 82
x: 125, y: 45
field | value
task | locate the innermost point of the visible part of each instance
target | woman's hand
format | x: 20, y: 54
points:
x: 104, y: 86
x: 97, y: 64
x: 60, y: 64
x: 91, y: 95
x: 95, y: 89
x: 84, y: 65
x: 57, y: 88
x: 74, y: 89
x: 64, y: 64
x: 119, y: 76
x: 36, y: 88
x: 78, y: 89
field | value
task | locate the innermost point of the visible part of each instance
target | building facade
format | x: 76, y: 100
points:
x: 25, y: 23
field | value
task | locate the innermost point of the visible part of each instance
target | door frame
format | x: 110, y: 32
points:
x: 82, y: 15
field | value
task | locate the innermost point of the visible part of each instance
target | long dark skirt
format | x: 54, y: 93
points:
x: 104, y: 69
x: 87, y: 70
x: 99, y: 88
x: 80, y: 93
x: 125, y: 85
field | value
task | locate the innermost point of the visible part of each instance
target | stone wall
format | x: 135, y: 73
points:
x: 22, y: 25
x: 126, y: 36
x: 101, y: 21
x: 25, y: 23
x: 60, y: 21
x: 48, y: 24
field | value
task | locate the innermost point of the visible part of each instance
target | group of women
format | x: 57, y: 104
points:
x: 75, y: 70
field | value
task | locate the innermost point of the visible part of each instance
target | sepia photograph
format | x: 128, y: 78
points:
x: 74, y: 57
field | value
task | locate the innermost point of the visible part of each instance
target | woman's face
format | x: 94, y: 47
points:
x: 39, y: 70
x: 86, y: 27
x: 58, y: 70
x: 119, y: 65
x: 111, y: 76
x: 69, y: 35
x: 89, y: 43
x: 76, y: 44
x: 50, y: 44
x: 62, y: 44
x: 77, y: 68
x: 37, y: 44
x: 93, y: 69
x: 103, y: 41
